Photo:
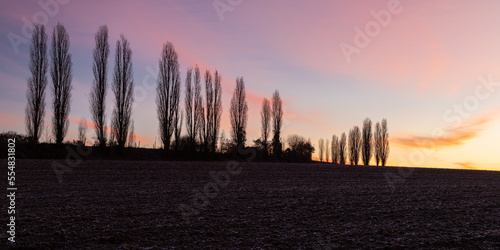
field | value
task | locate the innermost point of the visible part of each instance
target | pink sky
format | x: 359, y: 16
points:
x: 427, y: 59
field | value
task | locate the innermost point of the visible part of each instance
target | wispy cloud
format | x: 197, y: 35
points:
x: 466, y: 165
x: 452, y: 136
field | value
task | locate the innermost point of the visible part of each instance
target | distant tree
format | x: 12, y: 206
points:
x: 378, y: 142
x: 384, y: 149
x: 321, y: 146
x: 131, y: 135
x: 239, y: 113
x: 189, y: 107
x: 342, y: 149
x: 168, y: 94
x: 327, y: 151
x: 300, y: 150
x: 123, y: 88
x: 61, y: 80
x: 335, y: 149
x: 265, y: 115
x: 82, y: 130
x: 209, y: 113
x: 193, y: 105
x: 177, y: 129
x: 277, y: 113
x: 366, y: 149
x: 354, y: 145
x: 37, y: 83
x: 97, y: 96
x: 217, y: 109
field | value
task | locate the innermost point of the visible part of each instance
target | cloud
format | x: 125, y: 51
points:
x: 452, y: 136
x: 466, y: 165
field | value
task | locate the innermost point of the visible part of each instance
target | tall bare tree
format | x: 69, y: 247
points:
x: 189, y: 108
x: 217, y: 109
x: 61, y: 79
x: 177, y: 129
x: 342, y: 149
x: 335, y: 149
x: 277, y: 122
x: 99, y: 86
x: 378, y: 142
x: 321, y: 147
x: 123, y: 88
x: 366, y: 149
x: 354, y: 145
x: 239, y: 113
x: 384, y: 149
x: 193, y: 105
x: 265, y: 116
x: 168, y: 94
x: 209, y: 113
x: 37, y: 83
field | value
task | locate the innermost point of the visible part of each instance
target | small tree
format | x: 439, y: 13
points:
x: 82, y: 130
x: 342, y: 149
x: 277, y: 122
x: 378, y: 142
x: 384, y: 147
x: 354, y: 145
x: 321, y: 146
x: 335, y: 149
x: 366, y: 149
x: 327, y: 151
x: 239, y: 113
x: 265, y: 115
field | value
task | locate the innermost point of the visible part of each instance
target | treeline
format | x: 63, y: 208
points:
x: 358, y: 144
x: 201, y: 116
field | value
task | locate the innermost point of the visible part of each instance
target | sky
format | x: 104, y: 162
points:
x: 432, y: 69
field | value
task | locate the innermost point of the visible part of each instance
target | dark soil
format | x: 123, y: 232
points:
x: 117, y: 204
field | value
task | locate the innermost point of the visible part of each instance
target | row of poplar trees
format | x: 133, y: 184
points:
x: 364, y: 143
x: 201, y: 114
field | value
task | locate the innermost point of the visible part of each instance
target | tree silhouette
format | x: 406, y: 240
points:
x: 131, y: 136
x: 378, y: 142
x: 342, y: 149
x: 123, y: 88
x: 366, y: 149
x: 384, y: 147
x: 193, y: 105
x: 321, y: 146
x: 99, y: 87
x: 239, y: 113
x: 335, y: 149
x: 354, y: 145
x: 327, y: 151
x: 61, y: 80
x: 300, y: 150
x: 209, y: 114
x: 37, y: 83
x: 217, y: 109
x: 265, y: 115
x: 168, y: 94
x: 82, y: 130
x: 277, y: 122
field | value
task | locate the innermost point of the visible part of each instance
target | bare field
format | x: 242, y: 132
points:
x: 117, y: 204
